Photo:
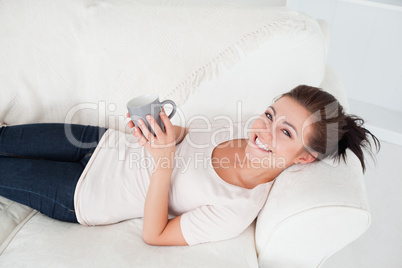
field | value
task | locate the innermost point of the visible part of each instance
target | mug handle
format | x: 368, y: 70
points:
x: 163, y: 103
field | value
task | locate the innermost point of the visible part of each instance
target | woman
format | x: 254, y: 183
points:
x: 102, y: 185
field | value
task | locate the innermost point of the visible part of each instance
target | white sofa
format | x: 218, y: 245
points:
x: 80, y: 61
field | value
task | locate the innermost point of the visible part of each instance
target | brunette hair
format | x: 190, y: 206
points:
x: 334, y: 131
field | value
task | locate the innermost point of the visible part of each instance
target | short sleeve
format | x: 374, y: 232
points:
x: 214, y: 223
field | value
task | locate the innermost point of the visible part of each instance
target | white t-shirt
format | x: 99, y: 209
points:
x: 114, y: 184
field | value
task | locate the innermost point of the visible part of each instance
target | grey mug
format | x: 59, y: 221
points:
x: 139, y: 107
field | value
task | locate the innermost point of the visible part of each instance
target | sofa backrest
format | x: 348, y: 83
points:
x: 81, y: 61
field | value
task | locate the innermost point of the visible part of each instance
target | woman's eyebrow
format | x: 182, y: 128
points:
x: 285, y: 122
x: 272, y: 108
x: 290, y: 125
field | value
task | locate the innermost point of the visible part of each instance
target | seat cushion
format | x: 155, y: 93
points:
x: 13, y: 217
x: 44, y: 242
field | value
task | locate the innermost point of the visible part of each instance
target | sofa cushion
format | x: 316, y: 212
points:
x: 44, y: 242
x: 13, y: 216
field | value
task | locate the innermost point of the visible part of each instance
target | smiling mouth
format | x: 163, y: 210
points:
x: 260, y: 145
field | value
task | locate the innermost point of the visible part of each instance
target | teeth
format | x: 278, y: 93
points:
x: 262, y: 146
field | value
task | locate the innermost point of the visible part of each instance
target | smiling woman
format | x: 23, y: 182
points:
x: 278, y: 131
x: 96, y: 186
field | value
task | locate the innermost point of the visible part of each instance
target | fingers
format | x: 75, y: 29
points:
x: 155, y: 127
x: 141, y: 139
x: 168, y: 124
x: 130, y: 123
x: 145, y: 132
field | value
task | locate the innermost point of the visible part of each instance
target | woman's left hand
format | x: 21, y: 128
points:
x: 163, y: 146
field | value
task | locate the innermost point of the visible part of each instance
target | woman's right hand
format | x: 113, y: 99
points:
x: 162, y: 145
x: 180, y: 132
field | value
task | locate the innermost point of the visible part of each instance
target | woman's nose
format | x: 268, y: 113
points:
x: 269, y: 133
x: 269, y: 137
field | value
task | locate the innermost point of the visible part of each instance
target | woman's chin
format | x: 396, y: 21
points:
x: 258, y: 156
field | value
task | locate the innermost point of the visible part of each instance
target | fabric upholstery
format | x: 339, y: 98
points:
x: 80, y: 61
x: 311, y: 212
x: 95, y: 55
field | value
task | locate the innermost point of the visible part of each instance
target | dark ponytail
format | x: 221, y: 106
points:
x: 356, y: 138
x: 334, y: 131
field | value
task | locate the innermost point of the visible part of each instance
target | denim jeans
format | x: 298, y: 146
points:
x: 40, y: 164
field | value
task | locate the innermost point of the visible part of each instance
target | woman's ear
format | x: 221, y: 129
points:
x: 307, y: 157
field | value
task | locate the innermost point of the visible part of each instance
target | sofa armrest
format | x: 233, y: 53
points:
x: 307, y: 239
x: 312, y: 212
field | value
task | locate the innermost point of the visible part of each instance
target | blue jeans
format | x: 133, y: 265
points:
x: 40, y: 164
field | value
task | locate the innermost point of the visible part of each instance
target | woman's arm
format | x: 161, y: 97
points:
x: 157, y: 228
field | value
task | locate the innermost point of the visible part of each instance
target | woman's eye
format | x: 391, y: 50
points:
x: 269, y: 116
x: 287, y: 133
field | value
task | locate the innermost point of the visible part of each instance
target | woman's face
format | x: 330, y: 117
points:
x: 281, y: 131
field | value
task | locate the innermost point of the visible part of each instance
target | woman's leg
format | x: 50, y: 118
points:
x: 45, y: 185
x: 50, y: 141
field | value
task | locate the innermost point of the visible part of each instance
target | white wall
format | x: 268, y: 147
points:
x: 366, y: 50
x: 365, y: 46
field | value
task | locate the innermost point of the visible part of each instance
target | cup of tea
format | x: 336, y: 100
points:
x: 141, y: 106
